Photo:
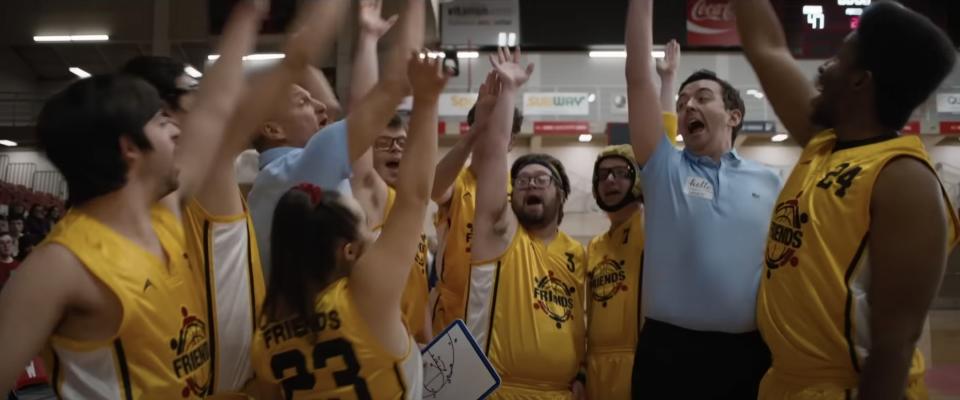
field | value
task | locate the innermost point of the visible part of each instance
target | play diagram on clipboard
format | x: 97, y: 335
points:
x: 455, y: 368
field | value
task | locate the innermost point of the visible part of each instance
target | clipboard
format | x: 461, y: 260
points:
x: 455, y: 368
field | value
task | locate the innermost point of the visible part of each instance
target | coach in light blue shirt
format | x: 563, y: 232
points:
x: 324, y: 161
x: 707, y: 215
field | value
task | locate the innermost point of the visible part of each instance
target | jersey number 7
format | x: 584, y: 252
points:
x: 323, y: 351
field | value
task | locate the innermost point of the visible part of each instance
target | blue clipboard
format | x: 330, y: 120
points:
x: 454, y: 367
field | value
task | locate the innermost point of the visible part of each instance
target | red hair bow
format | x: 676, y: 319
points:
x: 315, y: 192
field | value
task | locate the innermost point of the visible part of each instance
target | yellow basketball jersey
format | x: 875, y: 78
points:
x: 453, y: 260
x: 161, y: 348
x: 526, y: 311
x: 333, y: 355
x: 812, y: 307
x: 615, y: 269
x: 414, y: 301
x: 224, y: 248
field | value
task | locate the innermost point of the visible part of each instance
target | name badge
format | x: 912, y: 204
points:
x: 698, y: 187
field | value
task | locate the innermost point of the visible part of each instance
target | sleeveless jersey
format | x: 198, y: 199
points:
x: 453, y: 254
x: 525, y: 309
x: 333, y: 355
x: 613, y: 275
x: 812, y: 306
x: 224, y: 249
x: 161, y: 348
x: 414, y: 300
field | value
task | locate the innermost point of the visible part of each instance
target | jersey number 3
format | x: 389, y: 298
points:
x: 323, y: 351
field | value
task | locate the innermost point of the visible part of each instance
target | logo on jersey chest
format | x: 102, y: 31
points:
x: 554, y: 298
x: 607, y: 279
x: 193, y: 354
x: 786, y: 235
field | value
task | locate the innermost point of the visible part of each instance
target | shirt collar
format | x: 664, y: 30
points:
x: 270, y: 155
x: 730, y: 156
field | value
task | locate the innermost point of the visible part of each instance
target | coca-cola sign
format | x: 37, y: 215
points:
x: 711, y: 23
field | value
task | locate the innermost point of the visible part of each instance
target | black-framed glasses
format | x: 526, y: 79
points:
x: 539, y: 181
x: 617, y: 172
x: 387, y: 143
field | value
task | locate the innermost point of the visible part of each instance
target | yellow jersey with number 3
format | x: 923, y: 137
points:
x: 414, y: 300
x: 161, y: 348
x: 813, y: 305
x: 525, y: 309
x: 333, y: 355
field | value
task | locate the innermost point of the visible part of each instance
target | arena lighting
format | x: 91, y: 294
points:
x: 71, y: 38
x: 8, y: 143
x: 778, y: 137
x: 621, y: 54
x: 585, y: 138
x: 190, y: 70
x: 80, y: 72
x: 468, y: 54
x: 253, y: 57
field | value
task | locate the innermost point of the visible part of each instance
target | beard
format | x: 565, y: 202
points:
x: 536, y: 218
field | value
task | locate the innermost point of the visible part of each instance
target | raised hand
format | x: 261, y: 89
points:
x: 427, y: 75
x: 508, y: 67
x: 486, y: 98
x: 370, y: 21
x: 668, y: 65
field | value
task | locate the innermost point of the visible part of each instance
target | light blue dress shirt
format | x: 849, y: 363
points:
x: 324, y: 161
x: 706, y: 227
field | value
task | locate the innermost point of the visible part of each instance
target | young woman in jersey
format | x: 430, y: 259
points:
x: 334, y: 294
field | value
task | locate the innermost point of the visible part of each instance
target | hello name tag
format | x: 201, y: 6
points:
x: 698, y: 187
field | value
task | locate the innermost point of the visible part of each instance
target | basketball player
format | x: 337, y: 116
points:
x: 335, y: 289
x: 860, y: 235
x: 218, y: 227
x: 525, y: 302
x: 111, y: 293
x: 615, y: 258
x: 375, y: 173
x: 700, y: 203
x: 454, y: 190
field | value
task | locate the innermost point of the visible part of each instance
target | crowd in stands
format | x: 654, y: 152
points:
x: 26, y: 217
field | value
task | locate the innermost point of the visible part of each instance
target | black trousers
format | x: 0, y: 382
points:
x: 677, y: 363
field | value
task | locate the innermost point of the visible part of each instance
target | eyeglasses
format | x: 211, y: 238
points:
x: 617, y: 172
x: 387, y: 143
x: 539, y: 181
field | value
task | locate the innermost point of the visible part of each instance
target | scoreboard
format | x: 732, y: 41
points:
x: 816, y: 28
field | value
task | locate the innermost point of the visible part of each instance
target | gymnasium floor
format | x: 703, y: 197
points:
x: 943, y: 378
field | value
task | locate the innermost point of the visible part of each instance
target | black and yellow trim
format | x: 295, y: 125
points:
x: 211, y: 304
x: 848, y: 308
x: 124, y: 369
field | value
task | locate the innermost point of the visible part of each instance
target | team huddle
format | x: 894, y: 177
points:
x: 715, y: 280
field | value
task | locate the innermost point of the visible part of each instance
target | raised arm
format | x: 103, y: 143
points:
x: 667, y: 70
x: 494, y: 222
x: 450, y: 165
x: 908, y: 250
x: 378, y: 279
x: 217, y: 98
x: 765, y: 46
x: 220, y: 195
x: 368, y: 187
x: 644, y: 115
x: 33, y: 302
x: 374, y: 110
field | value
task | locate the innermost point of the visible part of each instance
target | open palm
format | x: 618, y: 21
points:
x: 669, y: 63
x: 508, y: 67
x: 370, y: 20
